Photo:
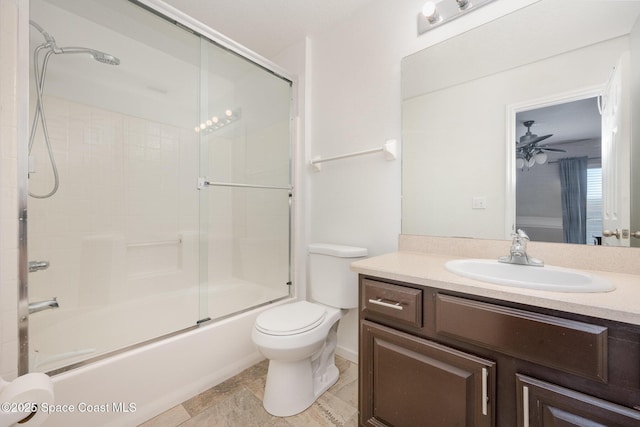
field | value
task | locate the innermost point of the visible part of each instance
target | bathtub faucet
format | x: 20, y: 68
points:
x: 35, y: 307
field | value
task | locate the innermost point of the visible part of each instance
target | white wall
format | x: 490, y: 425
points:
x: 356, y: 105
x: 296, y: 60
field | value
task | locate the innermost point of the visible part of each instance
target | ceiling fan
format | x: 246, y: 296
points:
x: 528, y: 152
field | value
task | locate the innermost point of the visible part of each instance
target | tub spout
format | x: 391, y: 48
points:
x: 35, y: 307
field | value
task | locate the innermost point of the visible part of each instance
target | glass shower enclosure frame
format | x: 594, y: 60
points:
x: 173, y: 204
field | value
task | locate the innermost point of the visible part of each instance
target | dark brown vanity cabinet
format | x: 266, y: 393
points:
x: 430, y: 357
x: 545, y: 404
x: 411, y: 381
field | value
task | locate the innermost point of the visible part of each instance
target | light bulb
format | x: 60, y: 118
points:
x: 229, y: 113
x: 531, y: 162
x: 209, y: 122
x: 215, y: 119
x: 203, y: 126
x: 541, y: 158
x: 519, y: 163
x: 430, y: 12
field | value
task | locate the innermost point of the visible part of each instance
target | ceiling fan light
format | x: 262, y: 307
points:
x: 519, y: 163
x: 540, y: 158
x: 531, y: 162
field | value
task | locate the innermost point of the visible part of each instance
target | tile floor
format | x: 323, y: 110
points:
x: 237, y: 402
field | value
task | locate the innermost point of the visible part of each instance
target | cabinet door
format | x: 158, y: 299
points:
x: 541, y: 404
x: 407, y: 381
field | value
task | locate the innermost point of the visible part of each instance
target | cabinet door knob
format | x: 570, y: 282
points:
x: 635, y: 234
x: 378, y: 301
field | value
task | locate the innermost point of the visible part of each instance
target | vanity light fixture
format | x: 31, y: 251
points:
x: 437, y: 12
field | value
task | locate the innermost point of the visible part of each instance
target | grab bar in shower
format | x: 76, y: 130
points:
x: 390, y: 150
x: 155, y: 243
x: 203, y: 182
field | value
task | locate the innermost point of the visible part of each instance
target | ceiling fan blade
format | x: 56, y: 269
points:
x: 559, y: 150
x: 524, y: 141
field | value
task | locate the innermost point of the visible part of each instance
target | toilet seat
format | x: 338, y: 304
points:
x: 291, y: 319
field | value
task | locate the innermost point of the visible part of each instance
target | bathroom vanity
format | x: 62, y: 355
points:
x: 436, y: 349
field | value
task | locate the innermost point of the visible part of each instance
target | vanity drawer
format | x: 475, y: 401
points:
x: 400, y: 303
x: 568, y: 345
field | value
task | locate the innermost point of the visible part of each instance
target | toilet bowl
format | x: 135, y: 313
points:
x: 300, y: 338
x: 300, y: 352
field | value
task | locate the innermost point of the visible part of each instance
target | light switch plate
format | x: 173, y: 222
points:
x: 479, y: 203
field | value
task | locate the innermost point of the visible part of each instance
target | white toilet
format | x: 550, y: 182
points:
x: 300, y: 338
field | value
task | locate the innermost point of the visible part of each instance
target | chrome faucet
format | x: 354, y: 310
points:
x: 35, y: 307
x: 518, y: 251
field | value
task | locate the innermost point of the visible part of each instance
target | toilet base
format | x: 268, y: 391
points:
x: 324, y: 382
x: 291, y: 387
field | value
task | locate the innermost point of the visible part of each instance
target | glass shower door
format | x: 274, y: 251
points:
x: 245, y: 196
x: 121, y: 232
x: 174, y: 196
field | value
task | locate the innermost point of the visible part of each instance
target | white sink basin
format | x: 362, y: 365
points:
x: 548, y: 278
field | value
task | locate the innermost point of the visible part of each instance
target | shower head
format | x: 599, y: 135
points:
x: 105, y: 58
x: 102, y: 57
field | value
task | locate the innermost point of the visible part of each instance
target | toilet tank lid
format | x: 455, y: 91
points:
x: 341, y: 251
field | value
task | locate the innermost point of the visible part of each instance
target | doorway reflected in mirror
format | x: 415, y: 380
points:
x: 559, y: 172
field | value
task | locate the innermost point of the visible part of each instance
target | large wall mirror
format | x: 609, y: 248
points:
x: 496, y: 119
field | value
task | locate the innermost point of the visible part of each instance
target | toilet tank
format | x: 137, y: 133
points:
x: 331, y: 280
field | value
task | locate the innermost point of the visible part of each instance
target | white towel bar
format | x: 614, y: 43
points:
x: 390, y: 149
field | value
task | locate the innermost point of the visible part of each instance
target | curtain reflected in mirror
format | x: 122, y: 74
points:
x: 573, y: 188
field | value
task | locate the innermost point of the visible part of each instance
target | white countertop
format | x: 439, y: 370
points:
x: 622, y: 304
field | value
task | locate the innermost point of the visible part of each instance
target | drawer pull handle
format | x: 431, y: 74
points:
x: 525, y: 406
x: 485, y: 392
x: 378, y: 301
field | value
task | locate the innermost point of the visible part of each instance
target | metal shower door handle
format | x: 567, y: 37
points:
x: 38, y: 265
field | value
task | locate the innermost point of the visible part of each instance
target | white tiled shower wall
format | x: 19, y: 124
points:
x: 127, y: 206
x: 125, y: 220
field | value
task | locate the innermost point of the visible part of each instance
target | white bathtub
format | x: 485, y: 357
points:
x: 63, y: 336
x: 155, y: 377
